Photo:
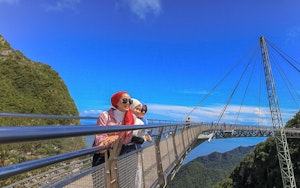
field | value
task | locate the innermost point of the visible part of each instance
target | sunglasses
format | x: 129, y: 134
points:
x: 125, y: 101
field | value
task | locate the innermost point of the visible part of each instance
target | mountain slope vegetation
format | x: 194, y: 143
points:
x: 260, y: 168
x: 205, y: 171
x: 256, y: 167
x: 32, y: 88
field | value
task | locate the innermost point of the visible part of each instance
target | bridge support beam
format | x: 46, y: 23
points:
x: 111, y: 169
x: 160, y: 172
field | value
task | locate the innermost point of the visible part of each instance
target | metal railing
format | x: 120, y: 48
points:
x: 159, y: 158
x: 156, y: 163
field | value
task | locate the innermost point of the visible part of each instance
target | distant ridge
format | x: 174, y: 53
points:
x: 205, y: 171
x: 260, y: 168
x: 227, y: 160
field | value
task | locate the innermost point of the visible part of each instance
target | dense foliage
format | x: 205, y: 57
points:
x: 207, y: 170
x: 294, y: 122
x: 261, y: 167
x: 32, y: 88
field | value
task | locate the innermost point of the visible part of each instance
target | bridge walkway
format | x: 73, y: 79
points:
x: 154, y: 165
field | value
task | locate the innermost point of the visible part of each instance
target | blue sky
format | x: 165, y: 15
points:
x: 167, y: 53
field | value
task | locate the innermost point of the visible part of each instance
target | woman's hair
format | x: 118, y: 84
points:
x: 144, y: 108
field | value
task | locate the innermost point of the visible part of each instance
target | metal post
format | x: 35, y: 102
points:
x: 160, y: 172
x: 111, y: 165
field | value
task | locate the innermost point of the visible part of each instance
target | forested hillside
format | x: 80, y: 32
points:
x: 32, y: 88
x: 260, y: 168
x: 241, y: 167
x: 207, y: 170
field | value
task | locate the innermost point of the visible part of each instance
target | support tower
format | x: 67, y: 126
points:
x: 286, y: 166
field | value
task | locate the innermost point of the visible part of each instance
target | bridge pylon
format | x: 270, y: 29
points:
x: 285, y: 163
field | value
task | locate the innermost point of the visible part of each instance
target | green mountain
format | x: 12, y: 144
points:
x: 241, y: 167
x: 32, y: 88
x: 260, y: 168
x: 205, y: 171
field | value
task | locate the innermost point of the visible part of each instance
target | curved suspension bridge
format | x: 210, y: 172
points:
x: 153, y: 165
x: 157, y: 162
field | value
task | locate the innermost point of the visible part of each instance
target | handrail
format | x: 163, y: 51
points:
x: 44, y: 116
x: 35, y: 133
x: 181, y: 142
x: 12, y: 134
x: 47, y: 116
x: 8, y: 171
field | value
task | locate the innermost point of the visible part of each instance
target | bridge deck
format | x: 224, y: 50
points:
x: 157, y: 163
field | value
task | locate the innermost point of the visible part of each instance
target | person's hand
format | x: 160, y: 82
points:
x: 148, y: 138
x: 102, y: 144
x: 109, y: 141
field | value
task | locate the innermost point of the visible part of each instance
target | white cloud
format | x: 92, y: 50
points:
x: 249, y: 115
x: 61, y: 5
x: 91, y: 113
x: 144, y: 8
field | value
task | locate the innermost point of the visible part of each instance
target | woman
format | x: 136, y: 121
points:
x: 143, y: 113
x: 142, y: 117
x: 136, y: 108
x: 119, y: 114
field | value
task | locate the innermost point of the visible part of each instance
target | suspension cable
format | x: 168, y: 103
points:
x: 283, y: 55
x: 218, y: 83
x: 280, y: 52
x: 285, y: 80
x: 234, y: 90
x: 260, y: 91
x: 248, y: 83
